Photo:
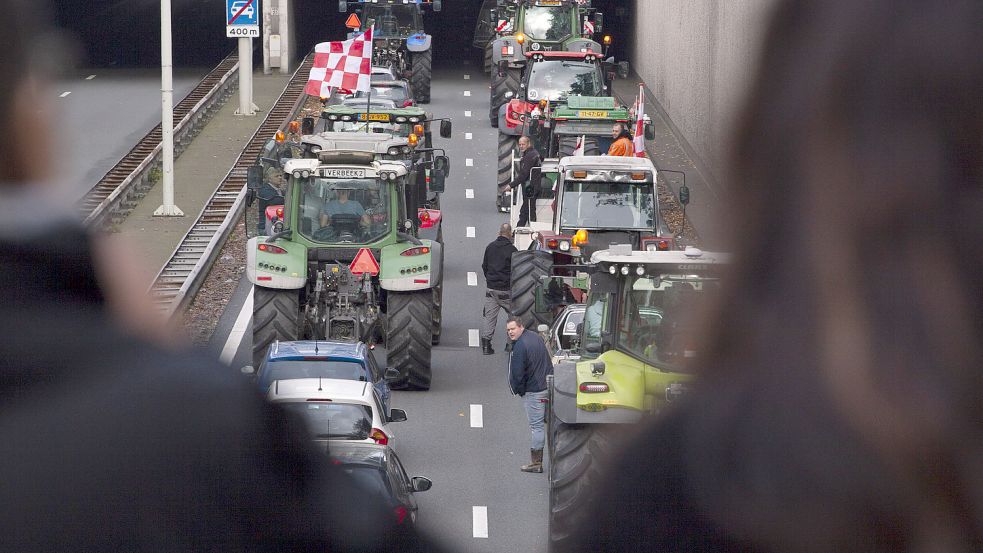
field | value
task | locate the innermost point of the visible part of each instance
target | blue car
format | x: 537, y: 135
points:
x: 325, y: 359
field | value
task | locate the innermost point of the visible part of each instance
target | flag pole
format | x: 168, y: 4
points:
x: 368, y: 103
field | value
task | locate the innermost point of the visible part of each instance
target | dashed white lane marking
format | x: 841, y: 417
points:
x: 66, y: 93
x: 479, y: 518
x: 470, y: 232
x: 467, y: 136
x: 467, y: 92
x: 472, y: 337
x: 469, y: 193
x: 238, y: 330
x: 467, y: 77
x: 467, y: 113
x: 472, y: 278
x: 469, y: 162
x: 477, y: 421
x: 90, y: 77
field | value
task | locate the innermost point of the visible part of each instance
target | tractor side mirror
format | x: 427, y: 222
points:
x: 445, y: 128
x: 437, y: 5
x: 623, y: 70
x: 540, y: 305
x: 598, y: 22
x: 392, y: 373
x: 493, y: 16
x: 438, y: 182
x: 503, y: 67
x: 649, y: 131
x: 307, y: 125
x: 342, y: 6
x: 442, y: 165
x: 684, y: 195
x: 254, y: 177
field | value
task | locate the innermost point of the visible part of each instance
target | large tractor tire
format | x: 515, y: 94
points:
x: 420, y: 80
x: 438, y: 302
x: 500, y: 84
x: 507, y: 146
x: 488, y: 63
x: 409, y: 316
x: 527, y: 268
x: 276, y: 316
x: 578, y: 456
x: 569, y: 143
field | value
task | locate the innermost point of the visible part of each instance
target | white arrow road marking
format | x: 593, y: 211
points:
x: 479, y: 517
x: 473, y: 337
x: 477, y: 421
x: 469, y: 193
x: 470, y: 232
x: 238, y: 330
x: 66, y: 93
x: 469, y: 162
x: 467, y: 136
x: 467, y: 113
x: 472, y: 278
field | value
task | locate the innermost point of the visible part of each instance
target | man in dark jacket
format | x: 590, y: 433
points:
x: 497, y: 267
x: 529, y: 365
x: 530, y: 158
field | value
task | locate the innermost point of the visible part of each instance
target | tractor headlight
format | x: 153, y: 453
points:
x: 625, y: 270
x: 564, y: 246
x: 414, y: 119
x: 650, y: 247
x: 333, y: 117
x: 400, y: 119
x: 346, y: 118
x: 640, y: 270
x: 613, y: 270
x: 406, y: 149
x: 305, y: 173
x: 394, y: 151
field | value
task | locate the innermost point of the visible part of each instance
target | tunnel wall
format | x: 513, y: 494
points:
x: 697, y: 57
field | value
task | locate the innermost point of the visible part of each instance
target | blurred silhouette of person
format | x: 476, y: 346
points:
x: 839, y: 407
x: 111, y: 441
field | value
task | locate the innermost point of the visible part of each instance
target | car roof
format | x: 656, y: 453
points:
x: 334, y: 349
x: 319, y: 388
x: 392, y: 83
x: 350, y: 452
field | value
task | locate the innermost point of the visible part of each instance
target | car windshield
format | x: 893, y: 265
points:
x: 659, y: 319
x: 550, y: 23
x: 392, y: 21
x: 369, y: 479
x: 288, y: 369
x: 333, y: 420
x: 557, y: 79
x: 349, y: 211
x: 595, y: 204
x: 383, y: 92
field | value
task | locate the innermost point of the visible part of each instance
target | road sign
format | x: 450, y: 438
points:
x: 241, y: 18
x: 353, y: 22
x: 364, y: 262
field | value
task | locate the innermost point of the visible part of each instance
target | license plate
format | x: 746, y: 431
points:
x: 373, y: 116
x: 343, y: 173
x: 548, y: 3
x: 591, y: 113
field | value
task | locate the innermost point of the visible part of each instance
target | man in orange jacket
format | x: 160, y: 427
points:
x: 622, y: 145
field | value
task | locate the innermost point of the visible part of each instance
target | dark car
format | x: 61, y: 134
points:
x: 324, y: 359
x: 377, y: 471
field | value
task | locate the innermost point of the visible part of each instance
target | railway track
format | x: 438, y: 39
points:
x: 178, y: 281
x: 112, y: 197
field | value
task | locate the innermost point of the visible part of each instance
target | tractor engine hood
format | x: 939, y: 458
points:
x: 602, y: 239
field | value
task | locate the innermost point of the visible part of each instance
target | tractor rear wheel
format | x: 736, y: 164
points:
x: 409, y: 319
x: 420, y: 80
x: 578, y: 454
x: 527, y: 268
x: 500, y: 84
x: 276, y: 315
x: 488, y: 58
x: 507, y: 145
x: 569, y: 143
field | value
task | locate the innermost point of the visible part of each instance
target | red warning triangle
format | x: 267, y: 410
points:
x: 353, y: 21
x: 364, y: 262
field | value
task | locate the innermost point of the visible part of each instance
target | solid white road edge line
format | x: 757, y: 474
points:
x: 469, y: 193
x: 238, y: 330
x: 473, y: 338
x: 476, y: 416
x: 470, y: 232
x: 472, y: 278
x: 479, y: 517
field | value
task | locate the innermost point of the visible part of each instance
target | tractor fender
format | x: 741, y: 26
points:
x: 518, y: 55
x: 401, y: 273
x: 430, y: 232
x: 564, y: 401
x: 583, y: 45
x: 418, y: 42
x: 284, y: 271
x: 503, y: 123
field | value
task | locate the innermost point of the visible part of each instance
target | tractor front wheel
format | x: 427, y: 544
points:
x: 420, y: 80
x: 528, y: 266
x: 409, y: 337
x: 500, y: 84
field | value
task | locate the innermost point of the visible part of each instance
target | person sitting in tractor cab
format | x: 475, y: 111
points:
x: 341, y: 205
x: 622, y: 145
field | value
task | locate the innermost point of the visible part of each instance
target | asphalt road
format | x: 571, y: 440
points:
x: 102, y: 113
x: 468, y: 433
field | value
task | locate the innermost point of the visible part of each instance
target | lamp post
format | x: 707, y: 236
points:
x: 167, y: 209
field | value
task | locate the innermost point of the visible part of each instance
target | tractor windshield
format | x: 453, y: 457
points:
x: 380, y: 91
x: 350, y: 211
x: 393, y: 21
x: 550, y: 23
x: 396, y: 129
x: 558, y: 79
x: 607, y: 205
x: 659, y: 318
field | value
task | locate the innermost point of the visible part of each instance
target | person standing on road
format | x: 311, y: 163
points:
x: 622, y: 145
x: 530, y: 158
x: 497, y: 267
x: 529, y: 365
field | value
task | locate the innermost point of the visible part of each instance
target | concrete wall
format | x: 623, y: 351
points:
x: 697, y: 57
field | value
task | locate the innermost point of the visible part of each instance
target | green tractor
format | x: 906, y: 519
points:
x: 400, y: 41
x: 638, y: 345
x: 539, y: 26
x: 346, y: 260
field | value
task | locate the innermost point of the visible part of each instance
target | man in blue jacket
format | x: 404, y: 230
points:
x: 529, y: 365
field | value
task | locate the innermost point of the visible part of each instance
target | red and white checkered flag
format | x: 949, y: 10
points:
x: 344, y: 64
x: 639, y: 138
